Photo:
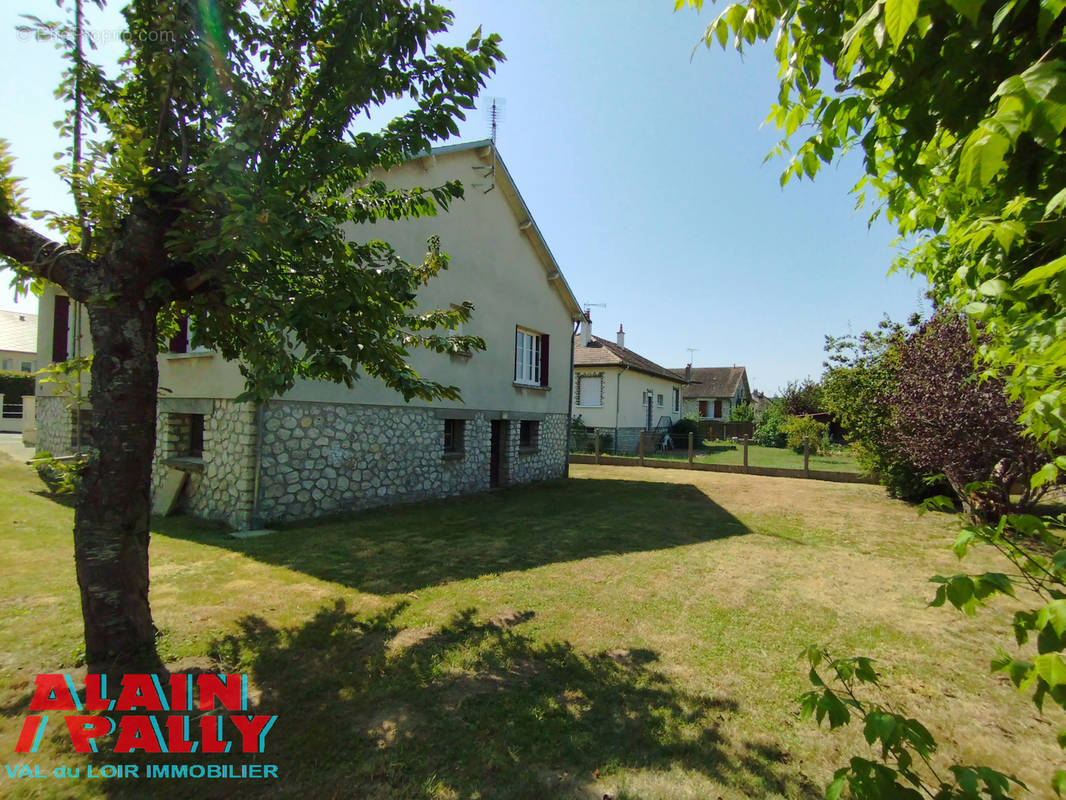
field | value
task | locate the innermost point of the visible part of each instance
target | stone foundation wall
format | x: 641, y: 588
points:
x: 547, y: 459
x: 221, y: 486
x: 56, y: 431
x: 319, y: 458
x: 53, y: 426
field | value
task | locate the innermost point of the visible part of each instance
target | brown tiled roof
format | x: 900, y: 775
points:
x: 603, y: 353
x: 713, y: 381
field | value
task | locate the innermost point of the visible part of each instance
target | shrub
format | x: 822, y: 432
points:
x: 60, y: 475
x: 742, y: 413
x: 800, y: 430
x: 14, y: 385
x: 768, y: 432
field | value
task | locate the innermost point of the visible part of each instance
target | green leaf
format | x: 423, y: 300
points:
x: 836, y: 786
x: 899, y: 16
x: 1049, y: 12
x: 1058, y: 782
x: 983, y: 156
x: 970, y: 9
x: 1042, y: 273
x: 1048, y: 473
x: 1051, y: 668
x: 993, y: 288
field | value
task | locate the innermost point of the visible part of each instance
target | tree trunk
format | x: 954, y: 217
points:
x: 114, y: 501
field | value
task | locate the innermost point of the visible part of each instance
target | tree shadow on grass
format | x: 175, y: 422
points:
x: 405, y: 548
x: 473, y: 709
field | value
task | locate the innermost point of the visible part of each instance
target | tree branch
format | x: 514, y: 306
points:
x: 45, y: 258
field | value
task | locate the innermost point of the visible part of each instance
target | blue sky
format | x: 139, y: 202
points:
x: 642, y: 162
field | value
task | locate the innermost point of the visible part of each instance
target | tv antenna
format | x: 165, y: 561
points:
x: 691, y: 350
x: 588, y: 306
x: 494, y: 115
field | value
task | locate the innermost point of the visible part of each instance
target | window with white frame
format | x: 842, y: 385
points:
x: 659, y: 400
x: 677, y: 399
x: 530, y: 357
x: 590, y: 391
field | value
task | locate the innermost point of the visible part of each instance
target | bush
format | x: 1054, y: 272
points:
x: 60, y: 475
x: 800, y: 430
x: 768, y: 432
x: 15, y: 385
x: 742, y: 413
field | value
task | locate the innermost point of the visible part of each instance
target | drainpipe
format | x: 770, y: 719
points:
x: 259, y: 417
x: 570, y: 403
x: 617, y: 403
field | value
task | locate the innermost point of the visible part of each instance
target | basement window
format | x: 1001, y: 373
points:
x: 528, y: 436
x: 454, y: 435
x: 186, y: 435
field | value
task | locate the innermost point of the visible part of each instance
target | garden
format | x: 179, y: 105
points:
x: 628, y: 632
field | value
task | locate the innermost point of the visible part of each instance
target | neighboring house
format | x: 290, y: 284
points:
x: 18, y: 341
x: 321, y: 448
x: 713, y: 392
x: 617, y: 389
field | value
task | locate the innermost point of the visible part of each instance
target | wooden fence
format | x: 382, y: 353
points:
x: 743, y: 469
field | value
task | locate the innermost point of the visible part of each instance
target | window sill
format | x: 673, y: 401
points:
x: 453, y: 456
x: 182, y: 356
x: 534, y: 387
x: 529, y: 450
x: 185, y: 463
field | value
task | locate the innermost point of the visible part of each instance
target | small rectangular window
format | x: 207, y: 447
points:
x: 528, y: 434
x: 186, y: 433
x: 27, y: 366
x: 196, y: 435
x: 677, y: 399
x: 589, y: 392
x: 659, y: 400
x: 454, y: 433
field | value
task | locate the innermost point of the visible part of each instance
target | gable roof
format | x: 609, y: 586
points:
x: 604, y: 353
x: 714, y: 381
x: 18, y: 331
x: 487, y: 151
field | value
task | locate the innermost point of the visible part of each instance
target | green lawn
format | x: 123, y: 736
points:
x: 630, y: 632
x: 780, y: 457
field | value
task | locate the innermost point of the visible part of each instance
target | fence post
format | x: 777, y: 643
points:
x: 745, y: 454
x: 806, y: 457
x: 640, y: 447
x: 691, y: 443
x: 597, y: 437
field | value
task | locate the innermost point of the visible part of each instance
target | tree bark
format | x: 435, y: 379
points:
x: 114, y: 500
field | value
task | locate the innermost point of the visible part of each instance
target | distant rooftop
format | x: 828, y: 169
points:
x: 603, y: 353
x: 18, y: 332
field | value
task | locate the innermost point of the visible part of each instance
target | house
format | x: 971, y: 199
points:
x: 620, y: 392
x: 18, y: 341
x: 321, y: 448
x: 713, y: 392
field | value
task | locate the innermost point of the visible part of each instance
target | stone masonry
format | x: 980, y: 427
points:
x: 319, y: 459
x: 220, y: 484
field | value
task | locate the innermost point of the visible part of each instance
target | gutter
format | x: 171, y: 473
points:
x: 570, y: 402
x: 617, y: 403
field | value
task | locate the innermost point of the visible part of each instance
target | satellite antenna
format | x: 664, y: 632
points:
x: 494, y: 115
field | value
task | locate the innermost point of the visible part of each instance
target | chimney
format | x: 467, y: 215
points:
x: 621, y: 336
x: 688, y: 371
x: 586, y: 329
